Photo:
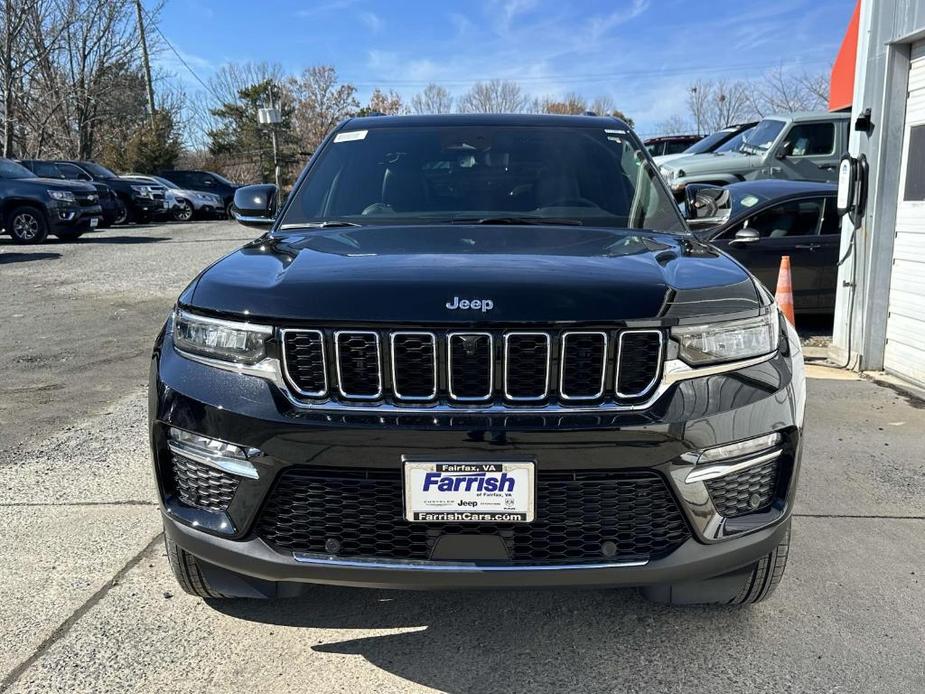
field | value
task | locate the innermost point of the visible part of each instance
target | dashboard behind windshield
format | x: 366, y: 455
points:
x: 437, y: 174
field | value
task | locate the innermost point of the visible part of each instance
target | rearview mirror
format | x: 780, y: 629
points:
x: 255, y: 206
x: 744, y: 236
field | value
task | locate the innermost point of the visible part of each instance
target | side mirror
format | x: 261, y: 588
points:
x: 255, y: 206
x: 783, y: 151
x: 706, y: 204
x: 745, y: 236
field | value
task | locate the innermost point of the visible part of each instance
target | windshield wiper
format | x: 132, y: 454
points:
x: 329, y: 224
x: 561, y: 221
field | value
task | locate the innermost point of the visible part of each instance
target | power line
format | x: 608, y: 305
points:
x: 173, y: 50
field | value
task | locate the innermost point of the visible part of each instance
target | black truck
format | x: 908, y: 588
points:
x: 32, y: 207
x: 476, y: 351
x: 140, y: 202
x: 113, y: 209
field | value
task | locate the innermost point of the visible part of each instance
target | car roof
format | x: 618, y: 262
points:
x: 485, y: 119
x: 670, y: 138
x: 779, y: 187
x: 808, y: 115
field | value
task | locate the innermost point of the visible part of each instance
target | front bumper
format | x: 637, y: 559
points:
x: 690, y: 416
x: 73, y: 218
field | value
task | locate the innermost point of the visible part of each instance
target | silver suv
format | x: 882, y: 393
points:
x: 795, y: 146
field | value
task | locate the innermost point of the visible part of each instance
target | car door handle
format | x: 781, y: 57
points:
x: 807, y: 246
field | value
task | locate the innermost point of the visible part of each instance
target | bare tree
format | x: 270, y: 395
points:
x: 321, y: 103
x: 714, y: 105
x: 496, y: 96
x: 674, y: 125
x: 571, y: 103
x: 388, y: 104
x: 434, y: 99
x: 783, y: 91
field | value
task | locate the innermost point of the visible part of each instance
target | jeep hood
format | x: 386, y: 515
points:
x: 408, y: 274
x: 715, y: 162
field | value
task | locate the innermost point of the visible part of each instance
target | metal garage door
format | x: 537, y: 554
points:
x: 905, y: 347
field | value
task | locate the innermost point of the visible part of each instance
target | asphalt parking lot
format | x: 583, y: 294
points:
x: 87, y: 602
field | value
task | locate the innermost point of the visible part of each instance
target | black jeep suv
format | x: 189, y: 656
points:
x: 476, y: 351
x: 31, y: 207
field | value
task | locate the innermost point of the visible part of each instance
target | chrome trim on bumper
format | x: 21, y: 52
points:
x: 232, y: 466
x: 714, y: 471
x: 457, y: 567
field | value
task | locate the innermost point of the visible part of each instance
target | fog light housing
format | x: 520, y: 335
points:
x: 227, y: 457
x: 719, y: 461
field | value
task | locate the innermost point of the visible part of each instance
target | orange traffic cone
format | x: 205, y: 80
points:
x: 784, y: 293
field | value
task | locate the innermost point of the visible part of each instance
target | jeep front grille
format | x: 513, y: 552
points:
x: 474, y: 369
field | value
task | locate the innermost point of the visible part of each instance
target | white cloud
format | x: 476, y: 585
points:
x: 372, y: 21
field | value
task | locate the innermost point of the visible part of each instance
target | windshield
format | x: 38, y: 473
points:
x: 222, y: 179
x: 97, y: 170
x: 734, y: 144
x: 10, y: 169
x: 763, y: 135
x: 707, y: 144
x: 578, y: 175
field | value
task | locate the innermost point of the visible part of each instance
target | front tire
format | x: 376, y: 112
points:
x: 746, y: 586
x: 121, y: 216
x: 27, y: 225
x: 188, y: 573
x: 183, y: 212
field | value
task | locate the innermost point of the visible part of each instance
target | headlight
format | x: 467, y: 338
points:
x: 142, y: 191
x: 729, y: 340
x: 242, y: 343
x: 62, y: 195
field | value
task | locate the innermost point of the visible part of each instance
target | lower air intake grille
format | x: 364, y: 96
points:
x: 581, y: 517
x: 744, y: 492
x: 639, y: 362
x: 201, y: 486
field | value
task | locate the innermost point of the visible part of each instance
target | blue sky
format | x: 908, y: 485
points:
x: 642, y: 53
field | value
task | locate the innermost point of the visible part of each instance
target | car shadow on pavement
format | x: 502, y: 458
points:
x: 6, y: 258
x: 576, y: 640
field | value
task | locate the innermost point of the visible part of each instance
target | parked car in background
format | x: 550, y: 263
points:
x: 141, y: 202
x: 187, y: 204
x: 206, y: 181
x: 32, y: 207
x: 113, y: 209
x: 670, y: 144
x: 757, y: 222
x: 795, y: 146
x: 708, y: 144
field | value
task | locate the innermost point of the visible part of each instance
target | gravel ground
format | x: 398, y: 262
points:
x: 87, y: 602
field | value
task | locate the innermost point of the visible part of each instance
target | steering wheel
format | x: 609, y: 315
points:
x: 378, y: 208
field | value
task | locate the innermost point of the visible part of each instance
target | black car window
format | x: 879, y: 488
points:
x: 811, y: 139
x: 797, y: 218
x: 10, y: 169
x: 75, y: 173
x: 831, y: 222
x: 441, y: 173
x: 675, y: 146
x: 709, y: 143
x: 47, y: 169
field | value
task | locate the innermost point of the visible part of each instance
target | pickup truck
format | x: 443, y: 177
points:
x: 796, y: 146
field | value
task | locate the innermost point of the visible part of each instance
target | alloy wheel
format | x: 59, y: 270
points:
x: 25, y: 226
x: 184, y: 211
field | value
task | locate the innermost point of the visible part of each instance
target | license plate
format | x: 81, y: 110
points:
x: 94, y: 222
x: 445, y: 492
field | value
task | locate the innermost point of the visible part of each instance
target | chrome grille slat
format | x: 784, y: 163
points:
x: 352, y: 351
x: 414, y: 365
x: 570, y: 386
x: 465, y: 352
x: 639, y: 364
x: 532, y: 378
x: 423, y: 368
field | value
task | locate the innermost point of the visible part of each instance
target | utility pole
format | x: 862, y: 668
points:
x: 270, y: 117
x: 146, y: 62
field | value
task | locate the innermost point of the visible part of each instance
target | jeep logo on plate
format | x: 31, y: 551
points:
x: 483, y: 305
